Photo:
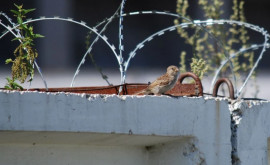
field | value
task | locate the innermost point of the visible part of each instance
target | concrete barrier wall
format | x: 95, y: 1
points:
x: 59, y: 128
x: 40, y: 128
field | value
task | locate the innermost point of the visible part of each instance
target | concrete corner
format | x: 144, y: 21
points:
x: 251, y: 132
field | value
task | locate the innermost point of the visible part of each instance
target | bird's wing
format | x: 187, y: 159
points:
x: 161, y: 81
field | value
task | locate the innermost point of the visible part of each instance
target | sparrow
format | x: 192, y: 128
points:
x: 164, y: 83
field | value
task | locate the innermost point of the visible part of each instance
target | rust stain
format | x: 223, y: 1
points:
x: 193, y: 89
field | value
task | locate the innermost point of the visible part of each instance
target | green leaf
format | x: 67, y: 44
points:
x: 16, y: 86
x: 24, y: 27
x: 21, y: 88
x: 28, y: 43
x: 18, y: 7
x: 15, y: 12
x: 7, y: 87
x: 20, y: 21
x: 31, y: 33
x: 17, y: 38
x: 8, y: 61
x: 25, y: 11
x: 25, y: 56
x: 27, y: 32
x: 12, y: 85
x: 8, y: 79
x: 39, y: 36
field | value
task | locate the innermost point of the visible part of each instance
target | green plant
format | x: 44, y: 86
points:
x: 25, y: 54
x: 12, y: 85
x: 198, y: 67
x: 205, y: 50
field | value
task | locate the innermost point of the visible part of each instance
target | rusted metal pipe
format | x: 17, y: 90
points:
x: 229, y: 84
x: 180, y: 89
x: 127, y: 89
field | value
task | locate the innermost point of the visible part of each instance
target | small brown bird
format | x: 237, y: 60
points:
x: 164, y: 83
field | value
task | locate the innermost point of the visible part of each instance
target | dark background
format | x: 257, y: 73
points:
x: 64, y: 44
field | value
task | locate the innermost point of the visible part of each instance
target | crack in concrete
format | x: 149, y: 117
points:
x: 236, y: 108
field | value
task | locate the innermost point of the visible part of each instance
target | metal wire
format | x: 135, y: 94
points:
x: 108, y: 21
x: 124, y: 64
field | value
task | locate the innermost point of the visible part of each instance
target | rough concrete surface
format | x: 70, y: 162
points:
x: 252, y: 131
x: 61, y: 128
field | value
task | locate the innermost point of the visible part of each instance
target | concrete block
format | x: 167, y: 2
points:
x: 251, y: 132
x: 86, y: 129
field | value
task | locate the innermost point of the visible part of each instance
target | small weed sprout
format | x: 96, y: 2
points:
x: 25, y: 54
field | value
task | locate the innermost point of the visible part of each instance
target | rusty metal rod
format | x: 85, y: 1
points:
x: 198, y: 82
x: 229, y: 84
